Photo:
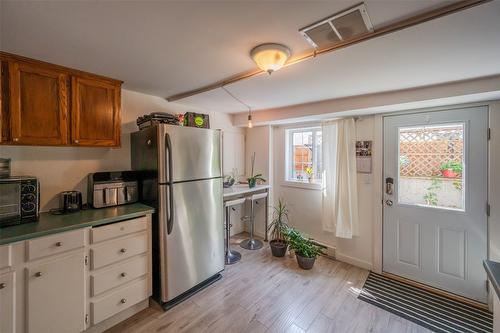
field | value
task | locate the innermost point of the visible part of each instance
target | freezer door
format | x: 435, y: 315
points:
x: 191, y: 235
x: 195, y: 153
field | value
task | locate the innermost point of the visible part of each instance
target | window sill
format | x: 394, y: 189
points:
x: 303, y: 185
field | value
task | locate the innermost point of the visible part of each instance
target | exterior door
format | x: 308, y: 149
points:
x: 435, y: 199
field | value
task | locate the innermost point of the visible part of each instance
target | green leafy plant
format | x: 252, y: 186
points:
x: 302, y: 246
x: 253, y: 180
x: 430, y: 196
x: 456, y: 167
x: 279, y: 224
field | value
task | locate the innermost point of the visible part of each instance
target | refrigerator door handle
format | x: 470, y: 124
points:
x: 170, y: 219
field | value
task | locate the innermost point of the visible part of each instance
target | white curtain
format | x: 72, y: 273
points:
x: 340, y: 194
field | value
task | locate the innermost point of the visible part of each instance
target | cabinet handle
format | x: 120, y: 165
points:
x: 123, y: 250
x: 123, y: 274
x: 59, y: 244
x: 123, y: 300
x: 38, y: 274
x: 77, y: 141
x: 15, y: 139
x: 2, y: 285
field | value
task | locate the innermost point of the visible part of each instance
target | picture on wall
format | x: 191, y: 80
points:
x: 364, y: 156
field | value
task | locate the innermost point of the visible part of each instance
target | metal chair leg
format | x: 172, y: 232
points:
x: 231, y: 255
x: 251, y: 243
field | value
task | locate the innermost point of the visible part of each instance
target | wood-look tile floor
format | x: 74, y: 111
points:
x: 262, y: 293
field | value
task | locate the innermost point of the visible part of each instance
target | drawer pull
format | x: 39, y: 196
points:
x: 38, y: 274
x: 123, y: 274
x: 2, y: 285
x: 123, y: 250
x: 123, y: 300
x: 59, y: 244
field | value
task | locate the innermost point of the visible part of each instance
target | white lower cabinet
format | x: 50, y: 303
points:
x: 7, y: 302
x: 56, y: 295
x: 81, y: 280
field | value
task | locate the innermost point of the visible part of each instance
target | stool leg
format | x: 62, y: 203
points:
x: 231, y: 256
x: 251, y: 243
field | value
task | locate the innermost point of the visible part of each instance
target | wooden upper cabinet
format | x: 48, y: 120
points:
x: 38, y: 105
x: 50, y: 105
x: 95, y: 113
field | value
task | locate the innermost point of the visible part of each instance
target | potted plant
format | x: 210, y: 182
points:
x: 305, y: 249
x: 309, y: 173
x: 278, y: 227
x: 451, y: 169
x: 252, y: 180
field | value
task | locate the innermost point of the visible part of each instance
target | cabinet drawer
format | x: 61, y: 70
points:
x: 118, y: 274
x: 118, y: 301
x: 5, y: 256
x: 119, y: 249
x: 54, y: 244
x: 114, y: 230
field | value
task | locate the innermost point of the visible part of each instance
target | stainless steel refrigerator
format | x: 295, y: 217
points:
x: 181, y: 175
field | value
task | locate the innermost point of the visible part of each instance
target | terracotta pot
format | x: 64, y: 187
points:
x: 278, y: 248
x: 305, y: 263
x: 448, y: 173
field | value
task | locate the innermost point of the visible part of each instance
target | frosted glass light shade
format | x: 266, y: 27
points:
x: 270, y: 57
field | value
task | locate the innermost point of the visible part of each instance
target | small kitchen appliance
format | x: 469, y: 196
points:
x: 70, y: 201
x: 19, y: 200
x: 107, y: 189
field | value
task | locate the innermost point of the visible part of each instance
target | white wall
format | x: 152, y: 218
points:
x: 66, y: 168
x: 305, y: 203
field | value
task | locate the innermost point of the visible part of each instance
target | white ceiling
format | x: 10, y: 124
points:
x: 164, y: 48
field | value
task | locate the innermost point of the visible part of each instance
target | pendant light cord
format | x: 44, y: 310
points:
x: 239, y: 100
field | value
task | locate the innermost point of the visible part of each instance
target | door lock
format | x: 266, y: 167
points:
x: 388, y: 202
x: 389, y: 183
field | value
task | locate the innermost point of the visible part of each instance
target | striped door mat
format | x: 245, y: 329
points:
x: 433, y: 311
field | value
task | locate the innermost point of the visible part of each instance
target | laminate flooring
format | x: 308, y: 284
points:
x: 262, y: 293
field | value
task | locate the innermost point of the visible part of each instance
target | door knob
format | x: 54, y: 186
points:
x: 388, y: 202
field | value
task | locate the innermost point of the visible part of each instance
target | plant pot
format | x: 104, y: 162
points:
x: 448, y: 173
x: 305, y: 263
x: 251, y: 183
x: 278, y: 248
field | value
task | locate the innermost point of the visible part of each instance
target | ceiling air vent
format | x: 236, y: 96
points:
x: 337, y: 28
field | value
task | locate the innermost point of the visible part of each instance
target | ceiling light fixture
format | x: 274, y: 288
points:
x: 270, y: 56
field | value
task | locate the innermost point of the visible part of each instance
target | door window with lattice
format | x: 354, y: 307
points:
x: 431, y: 166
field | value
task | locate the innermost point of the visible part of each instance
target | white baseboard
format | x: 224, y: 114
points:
x: 353, y: 261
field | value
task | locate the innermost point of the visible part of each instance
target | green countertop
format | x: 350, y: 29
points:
x: 51, y: 224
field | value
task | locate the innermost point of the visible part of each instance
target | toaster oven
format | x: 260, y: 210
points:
x: 19, y: 200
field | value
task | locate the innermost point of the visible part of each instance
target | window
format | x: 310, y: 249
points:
x: 303, y: 155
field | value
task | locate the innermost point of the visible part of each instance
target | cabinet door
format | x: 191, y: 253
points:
x: 38, y: 105
x: 56, y: 295
x: 7, y: 302
x: 95, y: 113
